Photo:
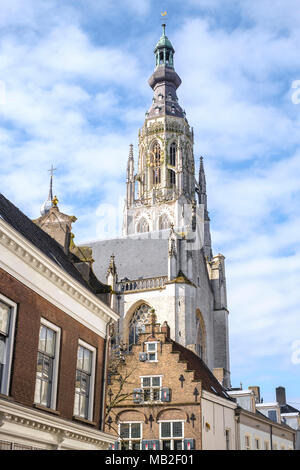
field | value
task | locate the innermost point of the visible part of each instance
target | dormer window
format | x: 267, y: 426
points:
x: 169, y: 96
x: 160, y: 96
x: 157, y: 109
x: 173, y: 109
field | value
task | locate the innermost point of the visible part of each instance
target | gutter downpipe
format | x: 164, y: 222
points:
x: 271, y: 436
x: 104, y: 381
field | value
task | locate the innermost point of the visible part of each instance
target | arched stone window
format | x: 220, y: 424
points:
x: 164, y: 222
x: 172, y: 177
x: 142, y: 226
x: 155, y: 163
x: 173, y: 154
x: 200, y: 336
x: 139, y: 319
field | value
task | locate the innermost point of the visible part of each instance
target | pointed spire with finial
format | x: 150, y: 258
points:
x: 130, y: 164
x: 112, y: 267
x: 49, y: 202
x: 202, y: 188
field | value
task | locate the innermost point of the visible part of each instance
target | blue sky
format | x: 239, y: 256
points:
x: 75, y: 77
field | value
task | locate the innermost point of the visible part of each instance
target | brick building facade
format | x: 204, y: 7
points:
x: 161, y: 394
x: 53, y: 342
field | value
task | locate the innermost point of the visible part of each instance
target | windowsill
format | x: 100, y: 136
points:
x: 45, y: 408
x: 84, y: 421
x: 6, y: 397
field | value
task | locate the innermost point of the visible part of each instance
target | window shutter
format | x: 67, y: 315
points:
x: 145, y: 445
x: 165, y: 394
x: 143, y: 356
x: 150, y: 445
x: 189, y: 444
x: 114, y: 446
x: 137, y: 395
x: 155, y: 445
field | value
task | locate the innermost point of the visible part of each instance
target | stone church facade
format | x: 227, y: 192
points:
x: 164, y: 260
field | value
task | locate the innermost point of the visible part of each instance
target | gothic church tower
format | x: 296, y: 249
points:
x: 164, y: 260
x: 165, y: 179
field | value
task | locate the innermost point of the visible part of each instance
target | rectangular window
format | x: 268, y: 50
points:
x: 257, y: 444
x: 247, y: 443
x: 172, y: 435
x: 272, y: 414
x: 151, y: 349
x: 151, y: 388
x: 47, y: 365
x: 130, y: 436
x: 85, y: 379
x: 8, y: 311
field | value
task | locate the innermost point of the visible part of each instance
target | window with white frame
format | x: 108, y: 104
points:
x: 8, y: 310
x: 47, y: 365
x: 85, y: 381
x: 151, y: 349
x: 130, y: 435
x: 151, y: 388
x: 171, y: 435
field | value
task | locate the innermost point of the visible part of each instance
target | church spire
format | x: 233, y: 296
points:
x: 202, y: 195
x: 49, y: 202
x: 202, y: 186
x: 130, y: 178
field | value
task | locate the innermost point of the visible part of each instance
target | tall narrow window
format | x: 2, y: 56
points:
x: 156, y: 174
x: 173, y: 154
x: 227, y: 437
x: 47, y: 365
x: 7, y: 328
x: 172, y: 177
x: 84, y: 385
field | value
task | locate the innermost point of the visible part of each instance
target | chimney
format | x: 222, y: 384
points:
x: 280, y: 396
x: 256, y: 391
x: 165, y: 329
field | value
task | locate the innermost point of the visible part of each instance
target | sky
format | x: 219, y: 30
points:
x: 74, y: 92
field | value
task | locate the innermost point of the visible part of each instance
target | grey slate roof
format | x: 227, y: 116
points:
x: 46, y: 244
x: 288, y: 409
x: 134, y: 258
